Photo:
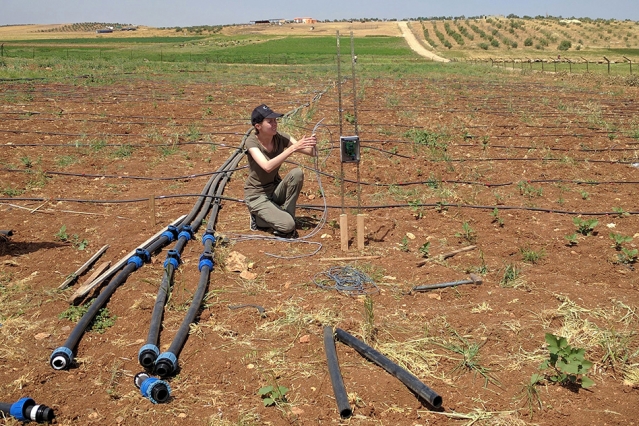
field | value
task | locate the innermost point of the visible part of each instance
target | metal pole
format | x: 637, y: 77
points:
x: 359, y: 185
x: 339, y: 111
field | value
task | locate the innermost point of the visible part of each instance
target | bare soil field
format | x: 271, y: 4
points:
x: 508, y: 164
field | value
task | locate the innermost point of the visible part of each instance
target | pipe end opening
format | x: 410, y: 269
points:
x: 437, y: 401
x: 346, y: 413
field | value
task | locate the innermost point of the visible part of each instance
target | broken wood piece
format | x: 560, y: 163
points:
x: 83, y: 268
x: 85, y: 289
x: 339, y: 259
x: 103, y: 267
x: 443, y: 256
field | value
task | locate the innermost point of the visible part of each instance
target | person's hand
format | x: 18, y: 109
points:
x: 306, y: 143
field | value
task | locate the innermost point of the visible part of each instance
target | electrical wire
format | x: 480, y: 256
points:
x: 347, y: 280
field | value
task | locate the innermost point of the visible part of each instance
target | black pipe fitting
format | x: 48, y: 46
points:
x: 155, y: 390
x: 25, y: 409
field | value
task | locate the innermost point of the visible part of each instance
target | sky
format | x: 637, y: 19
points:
x: 184, y: 13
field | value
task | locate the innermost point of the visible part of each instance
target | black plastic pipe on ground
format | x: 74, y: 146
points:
x: 339, y: 390
x: 407, y: 378
x: 62, y: 357
x: 26, y: 409
x: 167, y: 363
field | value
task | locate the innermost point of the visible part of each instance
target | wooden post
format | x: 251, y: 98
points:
x: 607, y: 60
x: 630, y: 61
x: 343, y: 231
x: 152, y: 208
x: 360, y: 231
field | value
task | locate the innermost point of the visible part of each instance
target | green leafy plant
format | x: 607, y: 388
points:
x: 511, y: 273
x: 273, y: 394
x: 497, y: 218
x: 403, y: 245
x: 424, y: 249
x: 527, y: 190
x: 467, y: 233
x: 627, y: 256
x: 572, y: 239
x: 62, y: 234
x: 619, y: 239
x: 532, y: 256
x: 100, y: 322
x: 620, y: 212
x: 530, y: 394
x: 567, y: 364
x: 585, y: 226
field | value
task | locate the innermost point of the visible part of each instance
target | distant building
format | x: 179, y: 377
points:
x: 305, y: 21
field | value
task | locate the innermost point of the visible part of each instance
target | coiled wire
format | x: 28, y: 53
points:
x: 347, y: 280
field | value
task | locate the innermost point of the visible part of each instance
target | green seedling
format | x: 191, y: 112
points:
x: 572, y: 239
x: 467, y: 233
x: 424, y: 249
x: 370, y: 331
x: 568, y: 365
x: 584, y: 195
x: 528, y: 190
x: 273, y: 395
x: 585, y: 226
x: 511, y: 273
x: 496, y: 218
x: 530, y: 394
x: 403, y: 245
x: 619, y: 239
x: 627, y: 256
x: 620, y: 212
x: 62, y: 234
x: 531, y: 256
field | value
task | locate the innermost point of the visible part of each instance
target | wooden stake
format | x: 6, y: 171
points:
x: 85, y: 289
x: 360, y: 231
x: 445, y: 255
x: 343, y: 231
x: 152, y: 207
x: 83, y: 268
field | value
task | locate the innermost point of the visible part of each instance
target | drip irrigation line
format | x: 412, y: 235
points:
x: 468, y: 206
x: 49, y: 172
x: 85, y: 135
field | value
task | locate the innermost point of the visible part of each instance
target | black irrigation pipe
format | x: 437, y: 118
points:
x: 26, y: 409
x: 167, y: 363
x: 149, y: 353
x: 407, y: 378
x: 62, y: 357
x: 341, y: 397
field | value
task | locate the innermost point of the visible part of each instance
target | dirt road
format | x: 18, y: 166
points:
x: 415, y: 45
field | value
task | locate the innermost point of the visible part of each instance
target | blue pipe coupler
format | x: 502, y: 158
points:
x: 140, y: 257
x: 147, y: 355
x: 26, y: 409
x: 61, y: 358
x: 166, y: 364
x: 157, y: 391
x: 170, y: 233
x: 206, y: 259
x: 172, y: 258
x: 208, y: 236
x: 187, y: 232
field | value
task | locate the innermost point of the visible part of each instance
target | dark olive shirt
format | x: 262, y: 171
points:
x: 259, y: 182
